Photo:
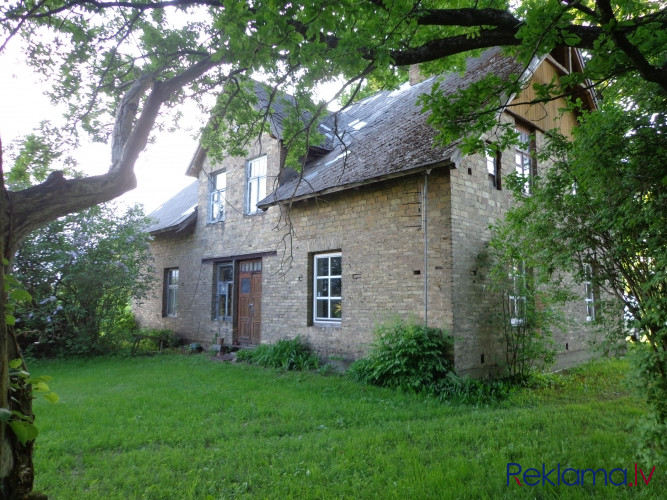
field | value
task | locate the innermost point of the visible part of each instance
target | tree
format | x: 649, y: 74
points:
x: 119, y: 64
x: 600, y: 213
x: 73, y: 309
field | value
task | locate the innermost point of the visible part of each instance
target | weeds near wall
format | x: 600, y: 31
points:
x: 286, y: 354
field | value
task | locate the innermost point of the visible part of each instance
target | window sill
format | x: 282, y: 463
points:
x: 326, y: 324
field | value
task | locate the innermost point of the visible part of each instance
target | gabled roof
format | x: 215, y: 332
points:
x: 274, y: 109
x: 385, y: 136
x: 178, y: 214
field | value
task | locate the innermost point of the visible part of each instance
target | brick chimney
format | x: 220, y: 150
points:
x: 414, y: 75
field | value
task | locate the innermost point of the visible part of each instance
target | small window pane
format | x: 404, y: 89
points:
x: 336, y: 267
x: 335, y: 287
x: 322, y: 308
x: 226, y: 273
x: 173, y: 277
x: 323, y: 266
x: 221, y: 181
x: 258, y: 167
x: 322, y: 287
x: 245, y: 285
x: 336, y: 310
x: 222, y: 306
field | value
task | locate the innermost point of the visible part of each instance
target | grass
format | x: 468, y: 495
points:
x: 186, y: 427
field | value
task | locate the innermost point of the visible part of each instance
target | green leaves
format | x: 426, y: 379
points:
x: 405, y: 356
x: 23, y: 428
x: 73, y: 309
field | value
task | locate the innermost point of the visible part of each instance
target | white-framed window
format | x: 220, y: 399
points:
x: 524, y: 159
x: 327, y: 291
x: 590, y: 292
x: 217, y: 189
x: 170, y: 292
x: 256, y: 184
x: 517, y: 295
x: 224, y: 291
x: 493, y: 168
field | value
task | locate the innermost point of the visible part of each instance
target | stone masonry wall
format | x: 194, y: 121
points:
x: 377, y: 228
x: 475, y: 206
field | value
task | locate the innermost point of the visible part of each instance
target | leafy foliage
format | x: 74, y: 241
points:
x: 22, y: 382
x: 528, y: 308
x: 405, y: 356
x: 286, y: 354
x: 603, y: 207
x: 82, y: 271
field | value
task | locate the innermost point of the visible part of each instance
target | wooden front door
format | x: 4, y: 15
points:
x: 250, y: 302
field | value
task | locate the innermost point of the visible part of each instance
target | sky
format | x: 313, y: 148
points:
x: 160, y: 169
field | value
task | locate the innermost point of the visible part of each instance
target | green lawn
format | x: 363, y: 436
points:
x: 179, y: 426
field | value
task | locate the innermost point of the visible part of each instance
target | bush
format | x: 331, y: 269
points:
x: 286, y: 354
x: 405, y: 356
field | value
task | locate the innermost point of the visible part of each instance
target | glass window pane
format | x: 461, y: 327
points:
x: 173, y: 277
x: 252, y: 196
x: 221, y: 181
x: 222, y: 306
x: 335, y: 287
x: 526, y: 164
x: 336, y: 309
x: 336, y: 266
x: 226, y: 273
x: 171, y: 302
x: 245, y: 285
x: 323, y: 266
x: 323, y: 287
x: 322, y: 308
x: 262, y: 189
x: 228, y: 310
x: 258, y: 167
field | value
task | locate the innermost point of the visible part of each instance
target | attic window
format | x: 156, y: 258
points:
x: 217, y: 189
x: 256, y: 184
x: 493, y: 169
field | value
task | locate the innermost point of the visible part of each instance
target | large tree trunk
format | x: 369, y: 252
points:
x: 24, y: 211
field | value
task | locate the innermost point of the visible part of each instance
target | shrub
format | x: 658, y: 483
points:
x: 286, y: 354
x: 405, y: 356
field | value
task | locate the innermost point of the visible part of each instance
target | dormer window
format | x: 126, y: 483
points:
x: 216, y: 205
x: 256, y: 184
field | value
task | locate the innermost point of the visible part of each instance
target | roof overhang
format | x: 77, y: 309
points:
x: 451, y: 162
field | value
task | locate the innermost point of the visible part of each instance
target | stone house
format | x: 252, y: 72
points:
x: 380, y: 223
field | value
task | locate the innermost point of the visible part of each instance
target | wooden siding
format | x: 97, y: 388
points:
x: 546, y: 115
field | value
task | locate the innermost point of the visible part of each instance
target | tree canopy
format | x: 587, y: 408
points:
x: 118, y: 65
